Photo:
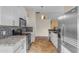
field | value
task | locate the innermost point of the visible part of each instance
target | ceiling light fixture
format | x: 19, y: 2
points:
x: 42, y: 15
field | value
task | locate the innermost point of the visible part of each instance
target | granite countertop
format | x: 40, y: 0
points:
x: 11, y: 40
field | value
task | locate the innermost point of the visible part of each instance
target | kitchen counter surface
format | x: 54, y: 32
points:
x: 11, y: 40
x: 26, y: 33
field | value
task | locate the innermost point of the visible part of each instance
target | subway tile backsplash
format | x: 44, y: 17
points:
x: 7, y: 31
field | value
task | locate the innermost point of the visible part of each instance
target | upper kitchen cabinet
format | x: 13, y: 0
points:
x: 0, y: 15
x: 10, y: 15
x: 7, y: 16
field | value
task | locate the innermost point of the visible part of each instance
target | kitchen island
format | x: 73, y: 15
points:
x: 13, y: 44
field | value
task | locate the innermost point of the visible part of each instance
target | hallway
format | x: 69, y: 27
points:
x: 42, y: 45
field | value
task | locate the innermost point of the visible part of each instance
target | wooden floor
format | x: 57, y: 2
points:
x: 42, y: 46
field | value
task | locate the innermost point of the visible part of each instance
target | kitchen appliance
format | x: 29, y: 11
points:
x: 69, y: 31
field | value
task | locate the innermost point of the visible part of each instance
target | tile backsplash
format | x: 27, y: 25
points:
x: 6, y: 31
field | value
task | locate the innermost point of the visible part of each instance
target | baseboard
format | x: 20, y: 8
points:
x: 41, y: 37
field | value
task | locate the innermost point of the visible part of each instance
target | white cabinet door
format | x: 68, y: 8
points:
x: 20, y: 47
x: 54, y: 39
x: 10, y: 15
x: 0, y: 15
x: 6, y: 16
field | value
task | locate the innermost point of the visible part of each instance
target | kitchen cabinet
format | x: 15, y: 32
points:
x: 54, y: 38
x: 13, y: 44
x: 20, y: 47
x: 9, y: 15
x: 0, y: 15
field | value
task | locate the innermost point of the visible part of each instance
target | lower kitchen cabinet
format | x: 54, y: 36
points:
x: 20, y: 47
x: 54, y: 39
x: 14, y: 44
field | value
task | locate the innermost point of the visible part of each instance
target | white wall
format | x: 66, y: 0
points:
x: 42, y: 26
x: 10, y: 15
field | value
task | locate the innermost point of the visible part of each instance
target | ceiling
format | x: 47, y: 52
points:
x: 51, y: 11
